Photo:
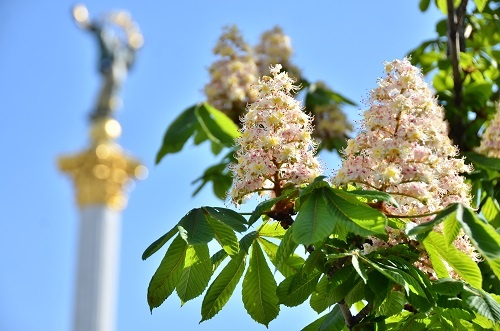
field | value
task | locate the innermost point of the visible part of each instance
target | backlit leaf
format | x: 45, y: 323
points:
x: 295, y: 289
x: 196, y: 273
x: 155, y: 246
x: 178, y: 133
x: 167, y: 275
x: 225, y: 236
x: 223, y: 287
x: 259, y: 288
x: 194, y: 227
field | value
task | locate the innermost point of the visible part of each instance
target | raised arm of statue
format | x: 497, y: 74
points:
x: 119, y: 38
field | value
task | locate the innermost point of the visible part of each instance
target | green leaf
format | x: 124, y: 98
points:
x: 370, y: 195
x: 491, y: 211
x: 331, y: 290
x: 167, y: 275
x: 178, y: 133
x: 423, y: 5
x: 355, y: 216
x: 225, y: 236
x: 389, y: 274
x: 480, y: 4
x: 333, y: 321
x: 436, y: 260
x: 450, y: 211
x: 229, y: 217
x: 217, y: 259
x: 313, y: 222
x: 219, y: 128
x: 155, y: 246
x: 196, y: 273
x: 286, y: 248
x: 289, y: 267
x: 295, y: 289
x: 194, y: 227
x: 259, y: 288
x: 481, y: 233
x: 451, y: 228
x: 271, y: 230
x: 315, y: 261
x: 393, y: 304
x: 360, y: 269
x: 448, y: 286
x: 223, y: 287
x: 483, y: 162
x: 248, y: 240
x: 459, y: 261
x: 481, y: 302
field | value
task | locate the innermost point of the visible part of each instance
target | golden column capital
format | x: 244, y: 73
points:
x: 102, y: 172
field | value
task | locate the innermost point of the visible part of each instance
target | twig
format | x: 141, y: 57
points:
x: 351, y: 321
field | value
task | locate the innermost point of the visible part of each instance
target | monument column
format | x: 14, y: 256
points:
x: 101, y: 174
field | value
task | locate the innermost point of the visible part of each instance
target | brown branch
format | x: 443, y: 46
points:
x: 351, y: 321
x: 456, y: 44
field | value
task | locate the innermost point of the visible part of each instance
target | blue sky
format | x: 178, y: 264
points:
x: 48, y: 84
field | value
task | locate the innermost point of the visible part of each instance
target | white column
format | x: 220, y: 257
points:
x: 97, y: 271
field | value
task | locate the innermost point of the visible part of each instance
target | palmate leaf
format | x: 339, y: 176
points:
x: 370, y: 195
x: 167, y: 275
x: 333, y: 321
x: 355, y: 216
x: 225, y: 236
x: 481, y: 302
x: 178, y: 133
x: 229, y: 217
x: 329, y: 291
x: 295, y: 289
x: 194, y: 227
x: 459, y: 261
x: 491, y: 211
x: 286, y: 248
x: 393, y: 304
x: 290, y: 267
x: 360, y: 269
x: 223, y: 286
x: 481, y: 233
x: 314, y: 222
x: 196, y: 273
x: 259, y: 288
x: 272, y: 230
x: 155, y: 246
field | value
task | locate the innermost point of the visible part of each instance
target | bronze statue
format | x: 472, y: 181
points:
x: 119, y: 38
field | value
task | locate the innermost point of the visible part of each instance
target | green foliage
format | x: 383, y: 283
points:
x: 259, y: 288
x: 389, y: 288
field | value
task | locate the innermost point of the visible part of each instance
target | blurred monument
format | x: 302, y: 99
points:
x: 101, y: 174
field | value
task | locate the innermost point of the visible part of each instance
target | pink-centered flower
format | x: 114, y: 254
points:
x: 403, y: 149
x: 490, y: 139
x: 275, y: 146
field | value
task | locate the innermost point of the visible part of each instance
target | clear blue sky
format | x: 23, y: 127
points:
x: 48, y: 84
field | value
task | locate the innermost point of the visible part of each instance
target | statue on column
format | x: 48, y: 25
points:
x: 119, y: 38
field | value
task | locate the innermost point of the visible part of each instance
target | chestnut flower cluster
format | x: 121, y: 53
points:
x: 275, y: 146
x: 490, y: 139
x: 275, y: 47
x: 231, y: 75
x: 404, y: 149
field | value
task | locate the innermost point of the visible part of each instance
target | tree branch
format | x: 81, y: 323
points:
x: 456, y: 43
x: 351, y: 321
